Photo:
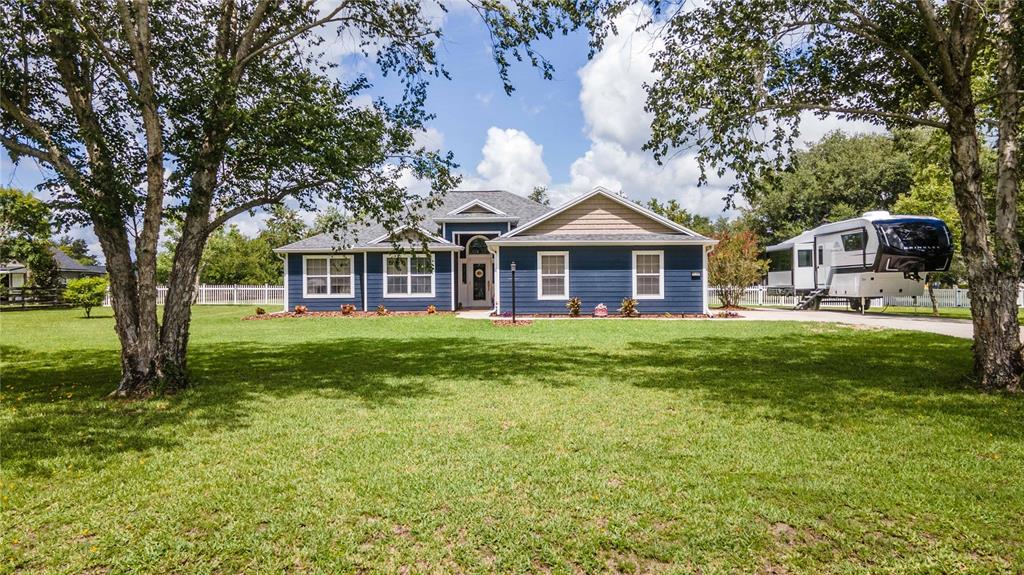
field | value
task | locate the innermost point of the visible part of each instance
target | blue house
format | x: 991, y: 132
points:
x: 599, y: 247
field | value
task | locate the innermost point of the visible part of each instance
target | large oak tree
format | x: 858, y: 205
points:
x: 734, y: 76
x: 203, y: 110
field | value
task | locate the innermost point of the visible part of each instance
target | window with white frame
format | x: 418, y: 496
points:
x: 327, y: 276
x: 648, y: 274
x: 409, y: 276
x: 552, y: 275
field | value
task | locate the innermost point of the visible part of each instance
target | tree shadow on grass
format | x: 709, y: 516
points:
x: 819, y: 380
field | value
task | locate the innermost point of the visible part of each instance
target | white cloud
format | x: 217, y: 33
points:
x: 612, y: 91
x: 612, y: 99
x: 430, y: 138
x: 511, y: 161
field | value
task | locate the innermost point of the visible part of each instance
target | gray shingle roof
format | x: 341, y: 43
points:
x: 513, y: 205
x: 362, y: 236
x: 66, y: 263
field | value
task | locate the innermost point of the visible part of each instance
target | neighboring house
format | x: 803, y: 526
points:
x: 599, y: 247
x: 16, y: 274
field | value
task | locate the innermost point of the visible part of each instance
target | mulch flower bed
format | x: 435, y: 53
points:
x: 507, y: 322
x: 611, y: 316
x: 355, y: 314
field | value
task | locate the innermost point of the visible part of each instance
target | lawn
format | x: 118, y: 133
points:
x: 434, y: 444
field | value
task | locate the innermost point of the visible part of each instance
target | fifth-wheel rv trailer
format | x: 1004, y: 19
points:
x: 873, y: 256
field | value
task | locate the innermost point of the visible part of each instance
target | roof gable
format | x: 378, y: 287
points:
x: 600, y: 212
x: 476, y: 207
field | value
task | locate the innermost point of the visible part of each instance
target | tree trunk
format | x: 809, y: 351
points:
x: 139, y: 374
x: 931, y: 296
x: 997, y: 358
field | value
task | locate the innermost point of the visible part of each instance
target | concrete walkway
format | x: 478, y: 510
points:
x: 943, y: 326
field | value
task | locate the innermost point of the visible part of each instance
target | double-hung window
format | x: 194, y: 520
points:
x: 409, y: 276
x: 648, y: 274
x: 552, y: 275
x: 327, y: 276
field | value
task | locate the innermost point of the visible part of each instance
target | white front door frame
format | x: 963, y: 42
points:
x: 466, y: 295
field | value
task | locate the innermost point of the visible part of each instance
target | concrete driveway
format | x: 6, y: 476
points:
x: 943, y: 326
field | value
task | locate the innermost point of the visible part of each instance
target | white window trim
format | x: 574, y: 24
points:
x: 661, y: 274
x: 351, y: 276
x: 540, y: 276
x: 408, y: 275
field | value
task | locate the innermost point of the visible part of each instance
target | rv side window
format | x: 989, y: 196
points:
x: 853, y: 242
x: 804, y: 259
x: 781, y: 261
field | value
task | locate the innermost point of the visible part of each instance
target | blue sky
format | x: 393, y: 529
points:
x: 581, y: 129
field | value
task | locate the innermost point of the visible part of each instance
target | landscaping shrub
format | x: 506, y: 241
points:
x: 574, y: 305
x: 347, y: 309
x: 301, y: 309
x: 734, y: 265
x: 628, y: 308
x: 381, y: 310
x: 261, y: 311
x: 86, y: 293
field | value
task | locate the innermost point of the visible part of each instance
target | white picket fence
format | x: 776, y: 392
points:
x: 945, y: 297
x: 752, y: 296
x: 228, y: 294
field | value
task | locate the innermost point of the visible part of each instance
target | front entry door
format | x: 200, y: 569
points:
x: 480, y: 285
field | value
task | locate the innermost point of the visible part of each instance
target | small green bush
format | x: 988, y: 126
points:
x: 261, y: 311
x: 86, y: 293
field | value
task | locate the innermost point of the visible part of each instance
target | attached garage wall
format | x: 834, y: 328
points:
x: 603, y: 274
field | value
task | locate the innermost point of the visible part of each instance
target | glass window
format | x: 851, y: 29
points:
x: 916, y: 236
x: 648, y: 270
x: 853, y: 242
x: 329, y: 275
x: 477, y: 246
x: 804, y: 258
x: 409, y: 276
x: 780, y: 261
x: 554, y: 275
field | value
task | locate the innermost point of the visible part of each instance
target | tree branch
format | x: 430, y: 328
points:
x: 931, y: 21
x: 54, y: 155
x: 266, y: 45
x: 24, y: 149
x: 857, y: 112
x: 261, y: 201
x: 118, y: 70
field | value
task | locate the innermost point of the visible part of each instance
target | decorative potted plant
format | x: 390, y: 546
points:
x: 574, y: 305
x: 628, y: 308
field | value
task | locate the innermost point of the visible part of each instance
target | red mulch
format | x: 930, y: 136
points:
x: 355, y: 314
x: 507, y: 322
x: 616, y: 316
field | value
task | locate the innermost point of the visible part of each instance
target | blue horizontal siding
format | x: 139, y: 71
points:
x: 294, y: 287
x: 442, y: 299
x: 450, y: 229
x: 603, y: 274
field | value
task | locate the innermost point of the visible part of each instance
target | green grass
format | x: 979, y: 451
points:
x: 434, y: 444
x: 924, y: 310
